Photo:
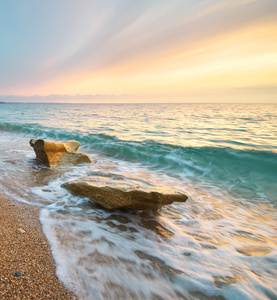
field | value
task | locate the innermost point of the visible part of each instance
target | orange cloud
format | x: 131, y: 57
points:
x: 244, y: 58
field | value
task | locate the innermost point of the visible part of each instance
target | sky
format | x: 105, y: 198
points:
x: 138, y: 51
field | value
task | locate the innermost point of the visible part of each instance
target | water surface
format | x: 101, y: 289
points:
x: 220, y: 244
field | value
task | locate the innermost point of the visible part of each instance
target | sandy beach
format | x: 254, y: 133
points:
x: 27, y: 268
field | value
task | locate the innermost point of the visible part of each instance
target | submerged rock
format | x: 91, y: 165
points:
x: 57, y: 153
x: 113, y: 194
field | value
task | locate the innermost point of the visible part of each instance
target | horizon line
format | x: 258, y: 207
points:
x: 49, y: 102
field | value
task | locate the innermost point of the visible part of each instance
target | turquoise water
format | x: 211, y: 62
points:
x: 220, y: 243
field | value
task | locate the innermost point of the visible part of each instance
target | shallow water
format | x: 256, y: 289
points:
x: 221, y: 243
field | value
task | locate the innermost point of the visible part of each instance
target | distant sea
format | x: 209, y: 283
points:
x: 220, y: 244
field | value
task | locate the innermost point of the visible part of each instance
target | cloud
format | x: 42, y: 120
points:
x: 150, y: 32
x: 124, y: 46
x: 63, y: 98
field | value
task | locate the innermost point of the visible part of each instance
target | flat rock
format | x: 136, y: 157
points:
x: 58, y: 153
x: 113, y: 194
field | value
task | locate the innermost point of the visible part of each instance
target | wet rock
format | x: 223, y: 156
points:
x: 113, y: 194
x: 57, y: 153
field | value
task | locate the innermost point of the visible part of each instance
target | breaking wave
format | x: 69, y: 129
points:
x: 245, y: 173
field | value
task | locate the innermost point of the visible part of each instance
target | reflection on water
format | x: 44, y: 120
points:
x: 254, y: 250
x: 220, y: 281
x: 239, y: 126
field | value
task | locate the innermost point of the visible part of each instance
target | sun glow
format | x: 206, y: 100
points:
x: 195, y: 55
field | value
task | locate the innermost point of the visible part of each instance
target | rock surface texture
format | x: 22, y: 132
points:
x: 57, y: 153
x: 113, y: 194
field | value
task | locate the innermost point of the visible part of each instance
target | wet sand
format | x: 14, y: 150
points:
x: 27, y: 268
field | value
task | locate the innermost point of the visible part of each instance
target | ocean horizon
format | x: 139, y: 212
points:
x: 220, y: 244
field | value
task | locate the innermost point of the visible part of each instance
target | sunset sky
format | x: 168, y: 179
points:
x: 138, y: 51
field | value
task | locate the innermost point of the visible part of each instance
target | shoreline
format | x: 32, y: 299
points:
x: 27, y: 267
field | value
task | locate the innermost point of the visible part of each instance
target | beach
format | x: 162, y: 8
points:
x: 220, y: 244
x: 27, y: 268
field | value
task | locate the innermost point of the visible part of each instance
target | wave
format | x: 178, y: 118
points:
x: 251, y: 174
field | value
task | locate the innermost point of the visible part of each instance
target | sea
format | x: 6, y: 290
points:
x: 220, y: 244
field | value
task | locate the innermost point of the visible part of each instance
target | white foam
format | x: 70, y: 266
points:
x: 202, y: 246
